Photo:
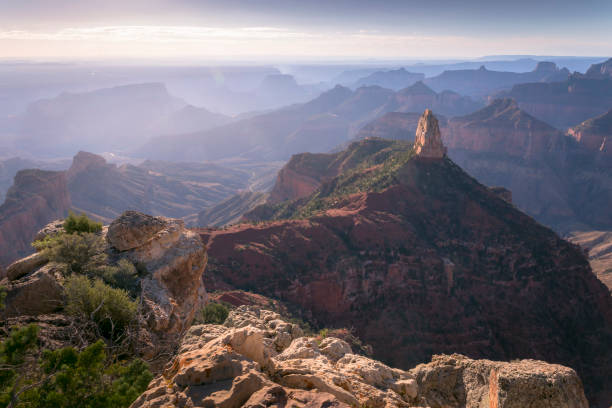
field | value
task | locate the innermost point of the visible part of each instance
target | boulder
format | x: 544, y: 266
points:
x: 456, y: 381
x: 133, y: 229
x: 34, y: 294
x: 174, y: 259
x: 52, y: 228
x: 25, y: 266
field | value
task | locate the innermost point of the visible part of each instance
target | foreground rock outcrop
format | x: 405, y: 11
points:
x: 171, y: 261
x: 35, y: 198
x: 256, y: 359
x: 174, y: 258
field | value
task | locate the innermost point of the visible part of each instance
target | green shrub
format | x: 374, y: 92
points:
x: 66, y: 377
x: 81, y: 379
x: 123, y: 276
x: 80, y: 223
x: 213, y: 313
x: 111, y: 309
x: 13, y: 353
x: 80, y: 252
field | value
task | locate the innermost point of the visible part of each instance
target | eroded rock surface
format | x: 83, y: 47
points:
x: 428, y: 141
x: 242, y: 364
x: 170, y: 259
x: 174, y: 258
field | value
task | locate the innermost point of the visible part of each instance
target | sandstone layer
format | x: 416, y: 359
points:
x: 595, y: 134
x: 428, y: 141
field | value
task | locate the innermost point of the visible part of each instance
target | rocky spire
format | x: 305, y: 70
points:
x: 428, y: 141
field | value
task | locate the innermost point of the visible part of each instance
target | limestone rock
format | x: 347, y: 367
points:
x: 52, y: 228
x: 134, y: 229
x: 428, y: 141
x: 174, y: 259
x: 25, y: 265
x: 36, y: 293
x: 235, y: 366
x: 457, y: 381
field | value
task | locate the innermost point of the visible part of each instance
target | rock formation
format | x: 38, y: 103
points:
x: 563, y: 104
x: 481, y: 82
x: 256, y: 359
x: 174, y: 258
x: 503, y: 128
x: 396, y: 126
x: 428, y: 141
x: 598, y: 244
x: 559, y: 182
x: 600, y: 71
x: 171, y: 259
x: 595, y: 134
x: 404, y: 250
x: 105, y: 190
x: 231, y: 210
x: 35, y: 198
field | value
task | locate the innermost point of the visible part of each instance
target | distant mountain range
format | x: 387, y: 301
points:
x: 482, y: 82
x: 112, y: 119
x: 319, y: 125
x: 568, y: 103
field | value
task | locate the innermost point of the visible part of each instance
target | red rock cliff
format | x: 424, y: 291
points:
x: 36, y: 198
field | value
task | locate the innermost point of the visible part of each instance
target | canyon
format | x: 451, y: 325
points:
x: 419, y: 258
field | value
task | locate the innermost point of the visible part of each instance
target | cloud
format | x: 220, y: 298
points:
x: 153, y: 33
x: 261, y: 41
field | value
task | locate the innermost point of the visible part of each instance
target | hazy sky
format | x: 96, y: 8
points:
x: 242, y: 29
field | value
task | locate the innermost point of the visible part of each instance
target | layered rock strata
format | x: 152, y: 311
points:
x: 258, y: 360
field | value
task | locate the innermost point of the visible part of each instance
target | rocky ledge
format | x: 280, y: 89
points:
x: 256, y: 359
x: 171, y: 258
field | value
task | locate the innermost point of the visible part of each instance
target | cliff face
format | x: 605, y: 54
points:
x: 595, y: 134
x: 599, y: 247
x: 420, y: 259
x: 600, y: 71
x: 564, y: 104
x: 394, y: 125
x: 503, y: 128
x: 36, y: 198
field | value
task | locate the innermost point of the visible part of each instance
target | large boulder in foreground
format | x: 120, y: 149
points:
x: 242, y: 363
x: 174, y: 259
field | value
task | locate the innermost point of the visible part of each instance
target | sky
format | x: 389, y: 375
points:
x: 306, y: 29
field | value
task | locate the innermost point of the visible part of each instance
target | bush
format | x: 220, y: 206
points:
x: 66, y: 377
x: 123, y: 276
x: 109, y: 308
x: 13, y: 353
x: 80, y: 224
x: 81, y: 379
x: 80, y: 252
x: 213, y: 313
